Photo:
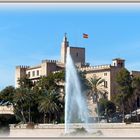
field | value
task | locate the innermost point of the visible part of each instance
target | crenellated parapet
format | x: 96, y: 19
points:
x: 20, y: 72
x: 49, y: 61
x: 98, y: 67
x: 22, y: 67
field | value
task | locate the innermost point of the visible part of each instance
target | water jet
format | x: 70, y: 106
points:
x: 75, y: 101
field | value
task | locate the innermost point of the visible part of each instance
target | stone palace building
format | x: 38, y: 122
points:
x: 106, y: 72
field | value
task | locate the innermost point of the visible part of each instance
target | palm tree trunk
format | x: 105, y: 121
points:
x: 107, y: 118
x: 136, y: 112
x: 123, y: 112
x: 98, y: 113
x: 22, y: 112
x: 44, y: 117
x: 130, y: 108
x: 29, y: 113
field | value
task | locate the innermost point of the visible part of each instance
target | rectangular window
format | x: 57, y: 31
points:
x: 105, y: 84
x: 105, y: 74
x: 28, y: 74
x: 33, y: 73
x: 37, y: 72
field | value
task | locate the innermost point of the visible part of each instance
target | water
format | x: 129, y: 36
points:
x: 75, y: 101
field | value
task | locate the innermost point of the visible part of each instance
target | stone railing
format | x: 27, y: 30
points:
x: 6, y: 110
x: 90, y: 125
x: 22, y: 67
x: 95, y: 67
x: 94, y: 130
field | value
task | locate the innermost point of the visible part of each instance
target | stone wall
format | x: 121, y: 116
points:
x: 77, y: 54
x: 4, y: 109
x: 57, y: 130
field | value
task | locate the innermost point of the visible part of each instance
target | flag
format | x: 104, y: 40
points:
x: 85, y: 35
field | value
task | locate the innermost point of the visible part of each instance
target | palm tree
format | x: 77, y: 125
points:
x: 52, y: 81
x: 25, y: 82
x: 50, y: 105
x: 19, y: 104
x: 23, y: 103
x: 96, y: 90
x: 96, y: 87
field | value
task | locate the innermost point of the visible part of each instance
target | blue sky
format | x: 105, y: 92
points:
x: 30, y: 33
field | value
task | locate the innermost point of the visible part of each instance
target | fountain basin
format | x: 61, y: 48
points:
x: 58, y: 130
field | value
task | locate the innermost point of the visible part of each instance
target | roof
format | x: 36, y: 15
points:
x: 119, y: 59
x: 34, y: 67
x: 77, y: 47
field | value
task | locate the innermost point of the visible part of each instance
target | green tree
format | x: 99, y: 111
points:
x: 7, y: 94
x: 125, y: 90
x: 25, y: 105
x: 52, y: 81
x: 6, y: 98
x: 25, y: 82
x: 26, y: 98
x: 23, y: 99
x: 96, y: 90
x: 136, y: 93
x: 106, y: 108
x: 20, y: 104
x: 50, y: 105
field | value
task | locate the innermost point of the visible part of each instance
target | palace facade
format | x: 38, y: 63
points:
x: 106, y: 72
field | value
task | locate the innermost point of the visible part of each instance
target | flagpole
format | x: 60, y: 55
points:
x: 85, y: 36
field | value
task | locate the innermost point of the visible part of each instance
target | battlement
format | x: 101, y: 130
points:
x: 135, y: 73
x: 22, y: 67
x: 50, y: 61
x: 98, y: 67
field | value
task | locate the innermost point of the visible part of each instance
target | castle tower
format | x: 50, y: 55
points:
x: 64, y: 46
x: 20, y: 72
x: 118, y: 62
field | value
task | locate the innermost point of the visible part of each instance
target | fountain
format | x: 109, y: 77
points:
x: 75, y: 101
